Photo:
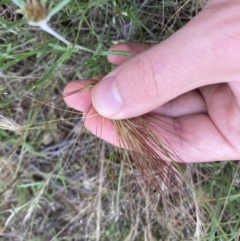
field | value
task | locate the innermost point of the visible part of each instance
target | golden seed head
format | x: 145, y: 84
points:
x: 35, y: 11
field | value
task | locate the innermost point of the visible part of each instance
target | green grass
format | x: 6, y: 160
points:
x: 57, y: 181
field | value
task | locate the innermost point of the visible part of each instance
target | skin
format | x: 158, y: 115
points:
x: 189, y: 82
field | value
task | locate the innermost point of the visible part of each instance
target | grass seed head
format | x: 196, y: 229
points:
x: 35, y: 11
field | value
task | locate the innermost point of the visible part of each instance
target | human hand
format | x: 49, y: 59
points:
x: 189, y: 82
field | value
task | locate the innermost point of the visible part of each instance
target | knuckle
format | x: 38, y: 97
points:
x: 143, y: 80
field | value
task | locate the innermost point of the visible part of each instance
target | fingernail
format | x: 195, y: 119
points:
x: 106, y: 97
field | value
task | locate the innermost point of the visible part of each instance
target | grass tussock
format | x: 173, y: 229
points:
x: 57, y: 181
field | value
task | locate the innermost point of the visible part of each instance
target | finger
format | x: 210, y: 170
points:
x: 134, y: 48
x: 77, y: 96
x: 224, y: 111
x: 173, y: 67
x: 190, y: 103
x: 99, y: 126
x: 189, y: 139
x: 235, y: 87
x: 187, y: 104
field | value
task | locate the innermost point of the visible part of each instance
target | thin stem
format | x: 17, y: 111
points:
x: 44, y: 26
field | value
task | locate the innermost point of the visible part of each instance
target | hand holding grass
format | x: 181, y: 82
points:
x: 189, y: 82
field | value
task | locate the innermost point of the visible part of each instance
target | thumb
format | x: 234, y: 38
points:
x: 156, y: 76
